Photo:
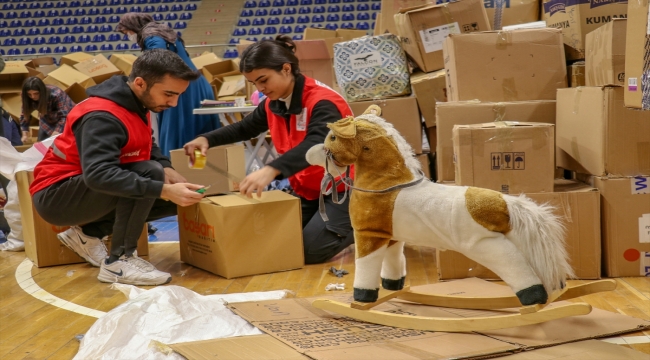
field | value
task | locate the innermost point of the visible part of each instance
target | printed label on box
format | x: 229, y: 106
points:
x: 432, y: 38
x: 640, y: 185
x: 644, y: 263
x: 631, y: 84
x: 365, y: 60
x: 644, y: 228
x: 508, y: 161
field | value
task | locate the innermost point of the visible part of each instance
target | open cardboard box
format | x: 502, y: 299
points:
x: 65, y: 76
x: 12, y: 77
x: 99, y: 68
x: 123, y: 62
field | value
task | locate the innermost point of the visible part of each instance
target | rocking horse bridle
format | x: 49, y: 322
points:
x: 328, y: 180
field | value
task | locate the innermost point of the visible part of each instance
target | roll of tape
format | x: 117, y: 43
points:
x: 199, y: 160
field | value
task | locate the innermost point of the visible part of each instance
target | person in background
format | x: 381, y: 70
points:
x: 296, y: 110
x: 52, y: 104
x: 177, y: 125
x: 105, y: 175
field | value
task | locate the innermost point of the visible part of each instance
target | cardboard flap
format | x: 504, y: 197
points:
x: 240, y: 347
x: 74, y: 58
x: 312, y: 50
x: 232, y: 85
x: 205, y: 59
x: 67, y: 75
x: 241, y: 200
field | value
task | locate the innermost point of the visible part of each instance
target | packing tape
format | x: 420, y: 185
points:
x: 504, y: 38
x: 447, y: 14
x: 499, y: 110
x: 576, y: 100
x: 199, y: 160
x: 509, y: 89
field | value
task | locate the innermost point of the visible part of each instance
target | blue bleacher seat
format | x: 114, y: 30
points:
x: 30, y: 23
x: 7, y: 7
x: 105, y: 28
x: 286, y: 29
x: 250, y: 4
x: 80, y: 12
x: 121, y: 10
x: 68, y: 39
x: 20, y: 5
x: 177, y: 7
x: 169, y: 24
x: 25, y: 14
x: 246, y: 13
x: 363, y: 16
x: 363, y: 25
x: 233, y: 41
x: 347, y: 25
x: 331, y: 26
x: 60, y: 49
x: 72, y: 21
x: 320, y: 2
x: 375, y: 6
x: 349, y: 1
x: 2, y: 52
x: 62, y: 30
x: 53, y: 13
x: 125, y: 37
x: 319, y: 9
x: 135, y: 46
x: 348, y: 17
x: 44, y: 22
x: 374, y: 16
x: 303, y: 19
x: 305, y: 2
x: 318, y: 18
x: 92, y: 29
x: 107, y: 11
x: 304, y: 10
x: 93, y: 11
x: 292, y: 2
x: 5, y: 32
x: 289, y: 11
x: 122, y: 47
x: 256, y: 22
x: 101, y: 3
x: 48, y: 31
x: 186, y: 16
x: 88, y: 3
x: 270, y: 30
x: 16, y: 23
x: 363, y: 7
x: 244, y: 22
x: 86, y: 20
x: 273, y: 21
x: 34, y: 5
x: 61, y: 4
x: 128, y: 2
x: 163, y: 8
x: 92, y: 47
x: 11, y: 15
x: 114, y: 37
x: 45, y: 50
x: 33, y: 31
x: 333, y: 9
x: 299, y: 28
x: 141, y: 2
x: 333, y: 17
x: 278, y: 3
x: 254, y: 31
x: 251, y: 38
x: 57, y: 21
x: 275, y: 12
x: 114, y: 19
x: 135, y: 8
x: 190, y: 7
x: 171, y: 17
x: 149, y: 9
x: 334, y: 1
x: 264, y: 3
x: 288, y: 20
x: 39, y: 40
x: 75, y: 48
x: 227, y: 54
x: 106, y: 47
x: 77, y: 29
x: 100, y: 19
x: 24, y: 41
x: 99, y: 38
x: 347, y: 8
x: 261, y: 12
x: 180, y: 25
x: 297, y: 37
x: 54, y: 40
x: 47, y: 5
x: 38, y: 14
x: 115, y: 3
x: 13, y: 52
x: 157, y: 17
x: 29, y: 51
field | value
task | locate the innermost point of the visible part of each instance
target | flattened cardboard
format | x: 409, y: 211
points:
x: 605, y: 54
x: 517, y: 65
x: 74, y: 58
x: 230, y: 158
x: 625, y: 219
x: 598, y: 135
x: 402, y: 112
x: 98, y: 68
x: 233, y: 236
x: 65, y: 76
x: 514, y: 12
x: 13, y: 76
x: 578, y: 206
x: 576, y: 74
x: 429, y: 89
x: 636, y: 43
x: 424, y: 29
x: 123, y: 62
x: 590, y: 349
x: 205, y: 59
x: 239, y: 347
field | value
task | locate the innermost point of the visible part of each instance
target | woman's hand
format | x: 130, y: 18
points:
x: 25, y: 138
x: 257, y: 181
x: 199, y: 143
x: 182, y: 194
x: 173, y: 177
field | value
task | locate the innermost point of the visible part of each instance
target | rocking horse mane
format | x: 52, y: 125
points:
x: 404, y: 148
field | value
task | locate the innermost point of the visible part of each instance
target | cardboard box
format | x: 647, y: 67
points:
x: 513, y: 13
x: 598, y: 135
x: 637, y: 51
x: 98, y: 68
x: 214, y: 73
x: 229, y: 158
x: 74, y: 58
x: 474, y: 112
x: 332, y: 37
x: 424, y: 162
x: 516, y: 65
x: 578, y: 18
x: 42, y: 246
x: 424, y: 29
x: 578, y: 206
x: 605, y: 54
x: 233, y: 236
x: 232, y: 86
x: 65, y: 76
x: 123, y: 62
x: 41, y: 66
x: 206, y: 58
x: 402, y: 113
x: 12, y: 103
x: 77, y: 93
x: 385, y: 22
x: 429, y: 89
x: 510, y: 157
x: 576, y: 74
x: 13, y: 76
x: 625, y: 219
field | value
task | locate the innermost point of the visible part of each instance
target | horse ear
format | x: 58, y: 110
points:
x: 345, y: 128
x: 373, y: 110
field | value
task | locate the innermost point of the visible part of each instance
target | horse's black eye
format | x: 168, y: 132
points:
x: 366, y: 148
x: 333, y: 137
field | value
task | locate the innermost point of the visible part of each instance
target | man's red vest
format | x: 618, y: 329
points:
x: 62, y: 159
x: 305, y: 183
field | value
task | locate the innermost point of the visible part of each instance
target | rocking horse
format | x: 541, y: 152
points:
x: 392, y: 204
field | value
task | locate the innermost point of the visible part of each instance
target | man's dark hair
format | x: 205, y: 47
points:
x: 153, y: 65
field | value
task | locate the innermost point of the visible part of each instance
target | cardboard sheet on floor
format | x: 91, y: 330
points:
x: 590, y: 349
x: 322, y: 335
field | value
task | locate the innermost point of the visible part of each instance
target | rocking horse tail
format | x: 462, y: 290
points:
x: 539, y: 234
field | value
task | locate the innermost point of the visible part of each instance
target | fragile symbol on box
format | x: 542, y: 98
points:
x: 508, y: 161
x: 470, y: 27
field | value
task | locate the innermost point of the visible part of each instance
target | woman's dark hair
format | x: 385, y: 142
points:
x: 145, y: 26
x: 29, y: 105
x: 270, y: 54
x: 154, y: 64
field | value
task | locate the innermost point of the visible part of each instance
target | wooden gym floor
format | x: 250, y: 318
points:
x: 34, y: 329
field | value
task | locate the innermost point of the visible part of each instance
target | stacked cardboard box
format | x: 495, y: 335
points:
x: 637, y: 53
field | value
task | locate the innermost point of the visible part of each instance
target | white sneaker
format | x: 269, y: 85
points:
x: 132, y: 270
x: 90, y: 248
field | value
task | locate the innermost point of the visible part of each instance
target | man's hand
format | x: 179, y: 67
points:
x: 199, y: 143
x: 173, y: 177
x: 183, y: 194
x: 25, y: 138
x: 257, y: 181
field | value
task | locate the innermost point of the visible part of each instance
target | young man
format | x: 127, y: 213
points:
x: 105, y: 175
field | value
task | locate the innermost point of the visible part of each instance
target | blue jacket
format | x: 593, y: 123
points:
x: 9, y: 129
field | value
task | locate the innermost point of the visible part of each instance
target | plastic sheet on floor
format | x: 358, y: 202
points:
x: 167, y: 315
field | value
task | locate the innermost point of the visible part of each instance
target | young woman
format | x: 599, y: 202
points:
x: 296, y: 110
x: 178, y: 125
x: 52, y: 104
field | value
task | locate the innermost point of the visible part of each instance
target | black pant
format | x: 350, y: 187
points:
x: 70, y: 202
x: 322, y: 240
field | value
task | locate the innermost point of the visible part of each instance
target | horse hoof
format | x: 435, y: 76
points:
x: 394, y: 285
x: 366, y: 295
x: 535, y: 294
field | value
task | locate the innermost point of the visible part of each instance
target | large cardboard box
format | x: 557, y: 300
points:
x: 576, y: 74
x: 233, y: 236
x: 229, y: 158
x: 123, y: 62
x: 234, y: 85
x: 423, y: 30
x: 578, y: 18
x: 637, y: 52
x: 74, y: 58
x: 77, y: 93
x: 215, y: 73
x: 206, y: 58
x: 625, y: 219
x: 332, y: 37
x: 99, y: 68
x: 65, y: 76
x: 13, y: 76
x: 526, y: 64
x: 474, y: 112
x: 429, y: 89
x: 12, y: 103
x: 513, y: 12
x: 386, y: 19
x: 510, y: 157
x: 605, y: 54
x: 578, y: 207
x: 402, y: 113
x: 598, y: 135
x: 42, y: 246
x: 41, y: 66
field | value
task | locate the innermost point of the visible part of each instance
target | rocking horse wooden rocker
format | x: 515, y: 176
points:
x: 392, y: 204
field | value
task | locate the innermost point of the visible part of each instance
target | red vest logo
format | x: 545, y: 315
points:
x: 132, y: 153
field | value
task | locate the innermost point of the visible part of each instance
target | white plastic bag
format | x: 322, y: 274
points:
x: 12, y: 215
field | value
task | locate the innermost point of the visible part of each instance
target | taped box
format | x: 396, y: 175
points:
x: 605, y: 54
x: 429, y: 89
x: 512, y: 12
x: 371, y: 67
x: 510, y: 157
x: 637, y: 53
x: 577, y: 18
x: 475, y: 112
x: 42, y: 246
x: 423, y: 30
x: 578, y: 207
x: 576, y: 74
x: 517, y: 65
x: 233, y: 236
x: 598, y: 135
